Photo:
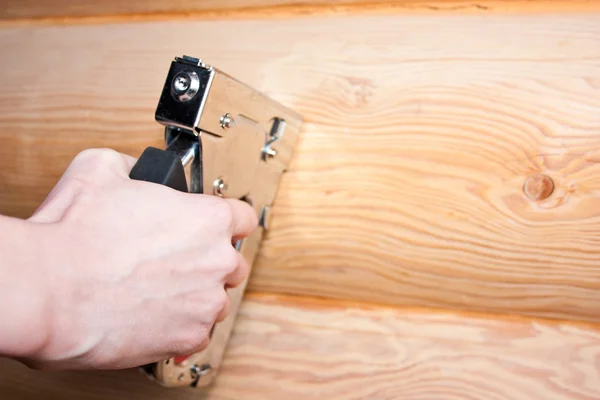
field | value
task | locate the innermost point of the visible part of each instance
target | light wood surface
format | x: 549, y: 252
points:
x: 65, y: 10
x: 407, y: 186
x: 302, y: 349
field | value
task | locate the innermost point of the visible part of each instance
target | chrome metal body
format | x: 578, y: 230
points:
x: 234, y: 142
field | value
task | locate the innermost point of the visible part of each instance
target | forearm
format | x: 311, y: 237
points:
x: 23, y: 296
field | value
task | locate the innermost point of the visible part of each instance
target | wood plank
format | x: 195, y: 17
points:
x: 407, y: 185
x: 67, y: 9
x: 286, y: 348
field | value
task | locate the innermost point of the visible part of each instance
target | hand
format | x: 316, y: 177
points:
x: 134, y: 272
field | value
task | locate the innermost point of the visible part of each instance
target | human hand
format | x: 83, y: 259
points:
x: 134, y: 272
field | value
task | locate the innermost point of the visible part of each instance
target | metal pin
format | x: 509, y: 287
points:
x: 201, y: 376
x: 264, y: 217
x: 268, y: 152
x: 239, y: 244
x: 188, y: 156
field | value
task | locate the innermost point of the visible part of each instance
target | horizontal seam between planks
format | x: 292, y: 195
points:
x: 327, y: 303
x: 301, y: 11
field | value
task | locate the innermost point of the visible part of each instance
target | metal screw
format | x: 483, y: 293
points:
x: 227, y: 121
x: 185, y: 86
x: 220, y: 187
x: 182, y: 83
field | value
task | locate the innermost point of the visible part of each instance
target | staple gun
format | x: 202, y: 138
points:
x: 226, y: 139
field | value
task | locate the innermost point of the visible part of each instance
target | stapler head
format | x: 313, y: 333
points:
x: 226, y: 139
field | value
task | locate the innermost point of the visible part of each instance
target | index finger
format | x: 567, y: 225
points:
x: 245, y: 220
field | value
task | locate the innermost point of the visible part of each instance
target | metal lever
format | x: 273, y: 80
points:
x: 168, y: 167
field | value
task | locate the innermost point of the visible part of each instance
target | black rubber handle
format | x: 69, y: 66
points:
x: 162, y: 167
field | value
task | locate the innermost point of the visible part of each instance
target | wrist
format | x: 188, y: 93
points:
x: 24, y: 323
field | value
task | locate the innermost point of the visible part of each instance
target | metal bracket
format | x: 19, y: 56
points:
x: 234, y: 142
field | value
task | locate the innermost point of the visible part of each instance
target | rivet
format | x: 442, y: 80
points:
x: 197, y: 371
x: 538, y: 187
x: 220, y: 187
x: 227, y: 121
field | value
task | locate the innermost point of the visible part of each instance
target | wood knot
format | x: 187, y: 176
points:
x: 538, y: 187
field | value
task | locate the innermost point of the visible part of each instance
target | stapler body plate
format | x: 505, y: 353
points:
x: 233, y: 142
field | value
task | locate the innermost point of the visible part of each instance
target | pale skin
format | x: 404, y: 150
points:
x: 113, y: 273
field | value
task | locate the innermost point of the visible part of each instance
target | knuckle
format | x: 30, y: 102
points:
x: 96, y: 157
x: 84, y: 187
x: 92, y: 164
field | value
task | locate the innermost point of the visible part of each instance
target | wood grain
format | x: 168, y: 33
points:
x: 407, y: 184
x: 66, y: 10
x: 290, y: 349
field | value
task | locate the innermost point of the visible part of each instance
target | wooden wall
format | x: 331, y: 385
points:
x: 449, y: 162
x: 298, y: 349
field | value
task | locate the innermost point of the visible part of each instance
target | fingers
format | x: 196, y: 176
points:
x: 234, y: 279
x: 224, y: 311
x: 244, y: 218
x: 201, y: 347
x: 239, y: 275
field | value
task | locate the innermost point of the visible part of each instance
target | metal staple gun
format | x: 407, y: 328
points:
x: 225, y: 139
